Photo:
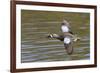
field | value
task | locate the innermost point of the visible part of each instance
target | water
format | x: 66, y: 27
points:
x: 36, y: 25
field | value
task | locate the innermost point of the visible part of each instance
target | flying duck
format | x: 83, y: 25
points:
x: 67, y: 37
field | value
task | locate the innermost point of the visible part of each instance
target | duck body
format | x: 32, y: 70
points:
x: 67, y: 37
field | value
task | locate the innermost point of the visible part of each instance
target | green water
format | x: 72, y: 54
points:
x: 36, y: 25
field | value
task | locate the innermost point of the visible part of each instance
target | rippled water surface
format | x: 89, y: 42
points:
x: 36, y: 25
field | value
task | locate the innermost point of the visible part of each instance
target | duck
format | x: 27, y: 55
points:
x: 67, y: 36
